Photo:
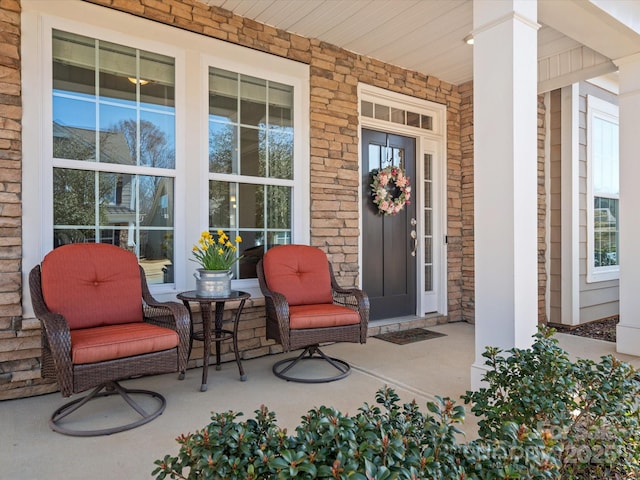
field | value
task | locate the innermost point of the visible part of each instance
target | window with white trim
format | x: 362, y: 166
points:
x: 250, y: 162
x: 603, y: 257
x: 113, y: 128
x: 143, y: 143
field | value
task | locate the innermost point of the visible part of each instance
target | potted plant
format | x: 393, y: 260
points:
x: 216, y: 256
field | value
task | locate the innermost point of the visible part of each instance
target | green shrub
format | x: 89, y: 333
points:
x: 541, y: 417
x: 382, y: 442
x: 588, y: 409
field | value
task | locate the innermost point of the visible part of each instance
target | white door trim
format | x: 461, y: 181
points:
x: 432, y: 142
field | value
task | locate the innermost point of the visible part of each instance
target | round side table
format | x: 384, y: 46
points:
x: 217, y: 333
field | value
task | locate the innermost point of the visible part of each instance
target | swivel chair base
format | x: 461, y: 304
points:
x: 110, y: 388
x: 312, y: 352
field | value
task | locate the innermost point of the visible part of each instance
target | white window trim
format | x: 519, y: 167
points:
x: 608, y: 111
x: 192, y: 52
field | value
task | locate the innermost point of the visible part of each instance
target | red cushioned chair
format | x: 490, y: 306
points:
x: 306, y: 307
x: 101, y: 325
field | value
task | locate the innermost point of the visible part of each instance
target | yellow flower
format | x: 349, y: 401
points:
x: 238, y: 239
x: 215, y: 253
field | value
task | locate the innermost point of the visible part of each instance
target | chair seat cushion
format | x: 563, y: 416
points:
x: 321, y: 315
x: 90, y: 345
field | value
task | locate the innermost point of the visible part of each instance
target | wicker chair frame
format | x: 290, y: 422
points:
x: 104, y: 376
x: 310, y: 339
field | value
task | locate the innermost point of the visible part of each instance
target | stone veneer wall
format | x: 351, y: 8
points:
x: 334, y: 76
x: 19, y: 351
x: 542, y: 212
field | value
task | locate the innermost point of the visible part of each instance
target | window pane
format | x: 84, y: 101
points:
x: 605, y: 156
x: 251, y: 206
x: 157, y: 139
x: 375, y: 156
x: 280, y: 105
x: 397, y: 115
x: 413, y: 119
x: 253, y: 152
x: 366, y: 109
x: 222, y: 205
x: 606, y: 228
x: 279, y: 207
x: 118, y: 136
x: 223, y: 95
x: 252, y: 249
x: 74, y: 198
x: 156, y: 201
x: 223, y: 151
x: 76, y: 140
x: 253, y: 101
x: 73, y: 63
x: 281, y: 153
x: 381, y: 112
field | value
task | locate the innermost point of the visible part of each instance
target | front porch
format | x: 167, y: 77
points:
x: 420, y: 370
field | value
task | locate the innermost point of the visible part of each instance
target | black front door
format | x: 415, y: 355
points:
x: 389, y: 262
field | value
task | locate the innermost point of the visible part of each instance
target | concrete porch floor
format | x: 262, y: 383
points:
x: 421, y: 370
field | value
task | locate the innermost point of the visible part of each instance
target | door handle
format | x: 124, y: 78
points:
x: 414, y: 235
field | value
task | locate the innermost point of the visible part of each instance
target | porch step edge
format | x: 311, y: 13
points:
x: 376, y: 327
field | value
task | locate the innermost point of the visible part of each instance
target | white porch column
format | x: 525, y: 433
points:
x: 628, y: 331
x: 505, y: 170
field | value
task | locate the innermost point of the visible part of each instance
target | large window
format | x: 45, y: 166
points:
x: 143, y: 135
x: 250, y: 162
x: 113, y: 129
x: 603, y: 198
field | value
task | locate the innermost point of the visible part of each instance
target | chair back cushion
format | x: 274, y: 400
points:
x: 299, y: 272
x: 92, y: 285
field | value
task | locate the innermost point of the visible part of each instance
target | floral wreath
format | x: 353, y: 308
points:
x: 391, y: 190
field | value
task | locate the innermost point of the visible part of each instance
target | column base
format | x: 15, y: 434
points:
x: 478, y: 371
x: 628, y: 339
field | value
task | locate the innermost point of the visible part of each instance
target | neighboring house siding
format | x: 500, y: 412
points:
x: 598, y: 299
x: 334, y: 144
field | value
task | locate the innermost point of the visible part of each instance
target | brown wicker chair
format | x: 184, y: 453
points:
x: 101, y: 325
x: 306, y: 307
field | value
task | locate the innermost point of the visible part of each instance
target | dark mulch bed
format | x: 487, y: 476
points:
x: 604, y: 329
